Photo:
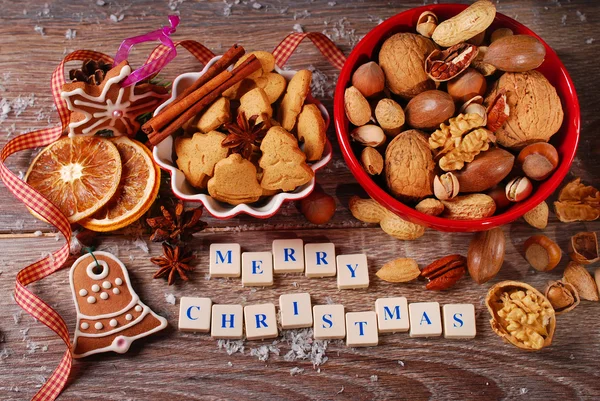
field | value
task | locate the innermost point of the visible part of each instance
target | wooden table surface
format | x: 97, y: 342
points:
x: 174, y: 365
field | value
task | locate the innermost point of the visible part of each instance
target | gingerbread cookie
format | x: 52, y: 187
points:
x: 273, y: 84
x: 212, y: 118
x: 291, y: 105
x: 312, y: 131
x: 235, y: 181
x: 197, y: 156
x: 110, y: 315
x: 256, y: 103
x: 267, y: 62
x: 108, y: 105
x: 283, y: 162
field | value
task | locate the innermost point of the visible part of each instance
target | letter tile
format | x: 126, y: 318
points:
x: 296, y: 310
x: 352, y: 271
x: 425, y: 319
x: 392, y: 314
x: 329, y: 322
x: 288, y: 256
x: 261, y: 321
x: 459, y: 321
x: 319, y: 260
x: 227, y: 322
x: 361, y: 329
x: 194, y: 314
x: 225, y: 260
x: 257, y: 269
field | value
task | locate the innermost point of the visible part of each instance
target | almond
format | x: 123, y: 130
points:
x: 399, y: 270
x: 576, y: 275
x: 538, y: 216
x: 357, y: 107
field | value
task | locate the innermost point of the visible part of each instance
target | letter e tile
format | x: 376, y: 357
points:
x: 194, y: 314
x: 459, y: 321
x: 261, y: 321
x: 392, y: 314
x: 227, y: 322
x: 352, y: 271
x: 329, y: 322
x: 425, y: 319
x: 257, y: 269
x: 224, y: 260
x: 288, y: 256
x: 361, y: 329
x: 296, y: 310
x: 319, y: 260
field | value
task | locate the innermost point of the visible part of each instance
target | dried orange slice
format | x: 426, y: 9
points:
x: 140, y: 182
x: 78, y: 175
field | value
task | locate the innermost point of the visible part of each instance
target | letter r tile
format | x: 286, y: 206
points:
x: 194, y: 314
x: 224, y: 260
x: 320, y: 260
x: 261, y: 321
x: 288, y: 256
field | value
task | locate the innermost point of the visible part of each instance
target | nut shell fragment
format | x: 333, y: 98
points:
x: 582, y: 280
x: 443, y: 65
x: 521, y: 315
x: 583, y: 248
x: 562, y: 295
x: 577, y: 202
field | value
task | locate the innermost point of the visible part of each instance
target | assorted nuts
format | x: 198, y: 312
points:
x: 429, y: 109
x: 515, y: 53
x: 470, y: 22
x: 427, y: 23
x: 318, y: 207
x: 445, y: 272
x: 369, y: 79
x: 542, y: 253
x: 369, y: 135
x: 538, y: 216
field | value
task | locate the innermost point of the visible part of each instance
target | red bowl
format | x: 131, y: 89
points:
x: 565, y: 140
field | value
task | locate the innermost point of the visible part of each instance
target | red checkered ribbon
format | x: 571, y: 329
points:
x: 36, y: 202
x: 286, y: 48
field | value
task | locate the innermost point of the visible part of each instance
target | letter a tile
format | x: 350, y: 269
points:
x: 288, y: 256
x: 261, y: 321
x: 319, y: 260
x: 257, y: 269
x: 224, y: 260
x: 194, y: 314
x: 425, y: 319
x: 227, y: 322
x: 352, y: 271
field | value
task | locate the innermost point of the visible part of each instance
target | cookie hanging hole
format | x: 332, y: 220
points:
x: 98, y: 268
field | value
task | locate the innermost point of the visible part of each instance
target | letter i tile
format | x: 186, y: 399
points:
x: 261, y: 321
x: 194, y: 314
x: 459, y: 321
x: 296, y: 310
x: 227, y: 322
x: 257, y: 269
x: 224, y: 260
x: 288, y: 256
x: 361, y: 329
x: 425, y: 319
x: 320, y: 260
x: 352, y: 271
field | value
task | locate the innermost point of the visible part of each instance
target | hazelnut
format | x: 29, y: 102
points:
x: 583, y: 248
x: 368, y: 135
x: 369, y: 79
x: 445, y: 186
x: 429, y: 109
x: 538, y: 160
x: 427, y: 23
x: 562, y: 295
x: 467, y: 85
x: 357, y: 107
x: 372, y: 161
x: 518, y: 189
x: 318, y: 207
x: 542, y: 253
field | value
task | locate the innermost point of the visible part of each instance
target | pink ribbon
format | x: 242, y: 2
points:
x: 149, y: 69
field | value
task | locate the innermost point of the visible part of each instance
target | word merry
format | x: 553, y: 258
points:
x: 360, y: 329
x: 289, y: 256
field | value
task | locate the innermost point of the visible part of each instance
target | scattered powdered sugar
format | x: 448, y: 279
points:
x: 331, y: 3
x: 301, y: 14
x: 263, y: 352
x: 17, y: 316
x: 298, y: 28
x: 170, y: 299
x: 401, y: 363
x: 227, y: 8
x: 563, y: 19
x: 341, y: 390
x: 100, y: 3
x: 40, y: 380
x: 70, y: 34
x: 374, y: 378
x: 256, y: 6
x: 296, y: 371
x: 115, y: 18
x: 304, y: 346
x: 523, y: 391
x: 581, y: 16
x: 329, y: 301
x: 589, y: 41
x: 141, y: 244
x: 5, y: 353
x: 230, y: 364
x: 340, y: 30
x: 40, y: 29
x: 173, y: 4
x: 321, y: 86
x: 231, y: 346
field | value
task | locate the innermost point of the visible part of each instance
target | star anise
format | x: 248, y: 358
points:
x: 173, y: 261
x: 245, y: 134
x: 91, y: 72
x: 175, y: 224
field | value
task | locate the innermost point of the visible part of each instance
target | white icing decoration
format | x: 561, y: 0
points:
x: 104, y: 295
x: 106, y: 285
x: 85, y: 326
x: 90, y: 270
x: 128, y: 316
x: 99, y: 326
x: 113, y: 323
x: 118, y: 281
x: 83, y: 292
x: 91, y: 300
x: 116, y: 291
x: 138, y: 308
x: 96, y: 288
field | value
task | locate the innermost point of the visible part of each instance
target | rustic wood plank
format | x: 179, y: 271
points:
x: 163, y: 367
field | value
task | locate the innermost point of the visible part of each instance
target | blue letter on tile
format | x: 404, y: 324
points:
x: 224, y: 321
x: 256, y: 267
x: 352, y: 271
x: 222, y: 258
x: 295, y: 303
x: 189, y: 312
x: 260, y: 320
x: 457, y: 318
x: 327, y: 319
x: 361, y: 331
x: 321, y: 258
x: 387, y: 312
x: 424, y: 318
x: 288, y: 254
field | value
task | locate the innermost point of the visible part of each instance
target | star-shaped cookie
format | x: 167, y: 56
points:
x: 108, y: 105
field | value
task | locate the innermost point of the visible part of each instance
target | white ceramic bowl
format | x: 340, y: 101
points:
x: 163, y: 155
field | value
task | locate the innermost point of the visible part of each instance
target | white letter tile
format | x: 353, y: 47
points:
x: 352, y: 271
x: 225, y: 260
x: 227, y: 322
x: 261, y: 321
x: 392, y: 314
x: 320, y: 260
x: 257, y: 269
x: 425, y: 319
x: 329, y: 322
x: 296, y: 310
x: 361, y: 329
x: 288, y: 256
x: 459, y: 321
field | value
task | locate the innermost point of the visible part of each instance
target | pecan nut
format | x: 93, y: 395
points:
x: 498, y: 111
x: 445, y: 272
x: 443, y: 65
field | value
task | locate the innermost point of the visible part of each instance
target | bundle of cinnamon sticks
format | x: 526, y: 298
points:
x: 208, y: 88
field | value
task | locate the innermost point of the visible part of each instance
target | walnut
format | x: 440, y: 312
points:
x: 577, y: 202
x: 447, y: 135
x: 402, y: 58
x: 535, y: 109
x: 409, y: 166
x: 470, y: 146
x: 521, y: 315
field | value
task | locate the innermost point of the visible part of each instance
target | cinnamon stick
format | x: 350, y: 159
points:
x: 250, y: 65
x: 175, y: 108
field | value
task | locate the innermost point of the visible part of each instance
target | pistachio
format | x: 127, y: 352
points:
x: 562, y: 295
x: 427, y: 23
x: 518, y: 189
x: 445, y: 186
x: 368, y: 135
x: 583, y: 248
x: 476, y: 108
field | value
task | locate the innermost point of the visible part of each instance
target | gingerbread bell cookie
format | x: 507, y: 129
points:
x: 108, y: 105
x: 110, y: 315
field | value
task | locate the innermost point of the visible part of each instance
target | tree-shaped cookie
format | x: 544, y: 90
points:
x: 283, y: 163
x: 197, y: 156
